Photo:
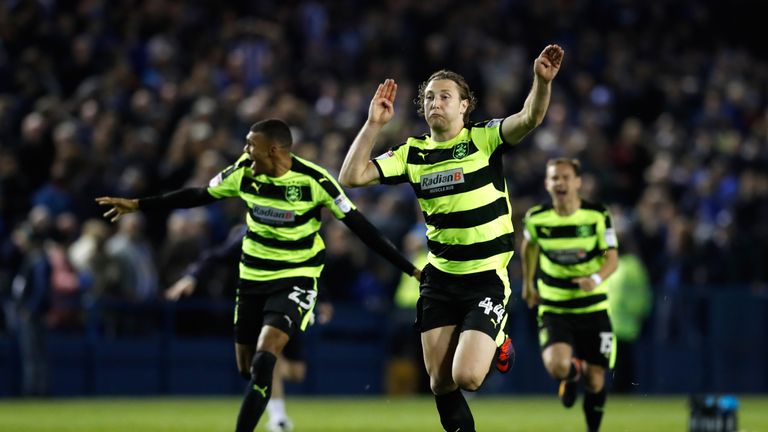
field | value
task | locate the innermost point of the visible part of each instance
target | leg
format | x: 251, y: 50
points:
x: 557, y: 360
x: 439, y: 346
x: 270, y: 345
x: 594, y: 396
x: 474, y: 354
x: 560, y: 364
x: 288, y: 370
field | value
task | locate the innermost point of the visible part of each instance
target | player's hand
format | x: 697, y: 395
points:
x: 547, y: 64
x: 324, y: 312
x: 417, y: 274
x: 530, y: 295
x: 382, y: 107
x: 182, y: 288
x: 585, y: 284
x: 120, y: 206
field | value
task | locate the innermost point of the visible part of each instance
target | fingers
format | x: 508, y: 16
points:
x: 554, y: 53
x: 389, y: 90
x: 105, y: 200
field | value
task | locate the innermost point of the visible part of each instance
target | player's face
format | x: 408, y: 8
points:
x: 562, y: 183
x: 443, y: 106
x: 258, y: 148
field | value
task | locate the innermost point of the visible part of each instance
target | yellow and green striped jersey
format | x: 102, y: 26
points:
x: 283, y: 217
x: 461, y: 189
x: 570, y: 246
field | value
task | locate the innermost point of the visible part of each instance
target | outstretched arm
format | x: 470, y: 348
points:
x: 357, y: 169
x: 229, y: 251
x: 372, y: 237
x: 182, y: 198
x: 545, y: 68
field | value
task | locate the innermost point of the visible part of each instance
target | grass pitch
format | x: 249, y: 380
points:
x: 370, y: 414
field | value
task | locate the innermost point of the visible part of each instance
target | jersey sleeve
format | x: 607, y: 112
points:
x: 608, y: 239
x: 392, y: 165
x: 332, y: 196
x: 487, y: 135
x: 227, y: 182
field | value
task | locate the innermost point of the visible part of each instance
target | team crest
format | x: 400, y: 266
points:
x: 584, y: 231
x: 460, y: 151
x: 293, y: 193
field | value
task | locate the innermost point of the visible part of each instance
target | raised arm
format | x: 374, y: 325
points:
x: 357, y: 169
x: 545, y: 68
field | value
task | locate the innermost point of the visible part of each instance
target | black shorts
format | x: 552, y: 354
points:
x: 472, y: 302
x: 590, y: 335
x: 287, y: 304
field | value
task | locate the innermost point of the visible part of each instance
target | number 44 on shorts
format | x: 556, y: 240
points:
x: 489, y: 307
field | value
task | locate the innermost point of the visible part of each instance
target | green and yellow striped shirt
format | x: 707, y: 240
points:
x: 570, y: 246
x: 461, y: 189
x: 283, y: 217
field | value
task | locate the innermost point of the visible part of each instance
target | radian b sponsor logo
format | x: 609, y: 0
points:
x: 442, y: 179
x: 269, y: 214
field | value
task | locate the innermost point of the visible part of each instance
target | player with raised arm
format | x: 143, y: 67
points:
x: 282, y: 252
x: 456, y: 172
x: 573, y: 245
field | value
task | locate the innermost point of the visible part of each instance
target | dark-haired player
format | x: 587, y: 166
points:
x: 282, y: 252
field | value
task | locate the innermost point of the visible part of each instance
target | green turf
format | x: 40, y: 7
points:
x: 324, y: 414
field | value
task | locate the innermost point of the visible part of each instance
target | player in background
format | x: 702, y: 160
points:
x: 573, y: 245
x: 282, y: 252
x: 456, y: 173
x: 291, y: 364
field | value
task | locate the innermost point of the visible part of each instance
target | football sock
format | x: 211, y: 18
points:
x: 257, y: 392
x: 455, y: 415
x: 276, y: 409
x: 593, y: 409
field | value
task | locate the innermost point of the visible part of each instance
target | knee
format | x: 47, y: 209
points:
x: 439, y: 386
x: 245, y: 372
x: 594, y: 381
x: 468, y: 379
x: 558, y: 368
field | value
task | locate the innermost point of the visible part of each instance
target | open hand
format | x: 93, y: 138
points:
x: 120, y: 206
x: 547, y: 64
x: 382, y: 107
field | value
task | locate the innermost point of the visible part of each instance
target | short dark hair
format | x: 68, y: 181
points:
x: 573, y: 162
x: 464, y: 91
x: 276, y: 130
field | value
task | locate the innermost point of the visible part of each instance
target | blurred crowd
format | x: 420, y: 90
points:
x: 665, y: 107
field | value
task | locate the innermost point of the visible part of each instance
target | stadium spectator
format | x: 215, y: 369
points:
x: 466, y: 209
x: 573, y: 245
x: 31, y: 292
x: 282, y: 253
